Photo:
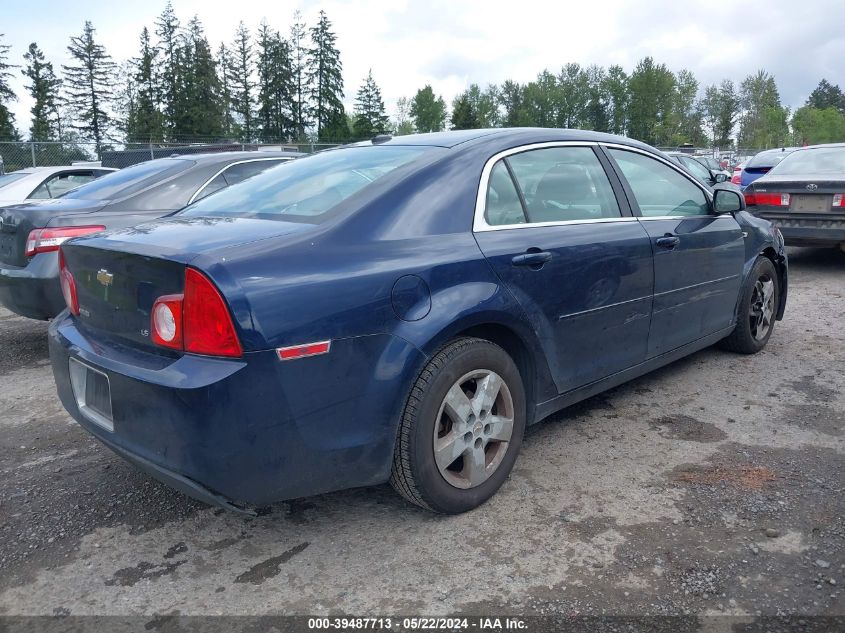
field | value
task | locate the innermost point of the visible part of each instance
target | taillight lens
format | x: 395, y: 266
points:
x: 68, y: 284
x: 49, y: 239
x: 767, y: 199
x: 736, y: 178
x: 196, y: 321
x: 166, y: 324
x: 838, y: 200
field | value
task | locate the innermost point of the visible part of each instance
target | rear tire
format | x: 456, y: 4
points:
x: 461, y: 429
x: 757, y: 309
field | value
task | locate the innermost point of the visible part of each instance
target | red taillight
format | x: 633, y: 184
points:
x: 68, y: 284
x: 736, y: 178
x: 49, y: 239
x: 196, y: 321
x: 767, y: 199
x: 302, y: 351
x: 839, y: 200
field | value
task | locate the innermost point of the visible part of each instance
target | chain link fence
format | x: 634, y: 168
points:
x: 21, y: 155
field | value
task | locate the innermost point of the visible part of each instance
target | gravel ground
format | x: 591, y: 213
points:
x: 712, y: 486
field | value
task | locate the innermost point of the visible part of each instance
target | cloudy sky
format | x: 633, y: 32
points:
x: 451, y: 44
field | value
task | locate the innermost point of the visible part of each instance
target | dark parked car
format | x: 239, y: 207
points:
x: 401, y: 310
x: 761, y: 163
x: 31, y: 232
x: 709, y: 177
x: 804, y: 195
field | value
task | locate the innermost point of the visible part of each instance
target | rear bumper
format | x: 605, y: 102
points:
x: 808, y: 231
x: 253, y: 431
x: 33, y: 291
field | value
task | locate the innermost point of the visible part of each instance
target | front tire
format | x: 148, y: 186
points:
x: 757, y: 309
x: 461, y: 429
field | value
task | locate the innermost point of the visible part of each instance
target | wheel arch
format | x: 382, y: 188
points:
x: 779, y: 261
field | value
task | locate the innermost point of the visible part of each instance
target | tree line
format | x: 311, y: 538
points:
x: 272, y: 87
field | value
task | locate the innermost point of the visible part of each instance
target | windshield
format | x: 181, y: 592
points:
x: 305, y: 190
x: 767, y: 159
x: 8, y: 179
x: 129, y: 180
x: 810, y: 162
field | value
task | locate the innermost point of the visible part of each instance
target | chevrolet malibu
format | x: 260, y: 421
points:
x: 400, y: 310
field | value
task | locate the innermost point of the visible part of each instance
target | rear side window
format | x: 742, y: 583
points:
x: 130, y: 180
x: 659, y: 189
x: 561, y: 184
x: 59, y: 184
x: 242, y: 171
x: 308, y: 188
x: 503, y: 204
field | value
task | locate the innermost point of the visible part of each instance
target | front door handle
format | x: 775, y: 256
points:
x: 535, y: 259
x: 668, y: 241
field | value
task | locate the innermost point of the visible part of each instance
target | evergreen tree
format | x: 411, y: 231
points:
x: 43, y: 88
x: 485, y: 103
x: 826, y: 95
x: 325, y: 79
x: 299, y: 69
x: 203, y: 109
x: 240, y: 79
x: 146, y: 125
x: 370, y: 116
x: 125, y: 103
x: 224, y: 61
x: 275, y: 86
x: 464, y: 114
x: 428, y: 111
x: 170, y: 43
x: 7, y: 119
x: 89, y: 86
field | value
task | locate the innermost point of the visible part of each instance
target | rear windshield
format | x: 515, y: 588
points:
x: 8, y: 179
x: 767, y: 159
x: 119, y: 184
x: 809, y: 162
x: 306, y: 189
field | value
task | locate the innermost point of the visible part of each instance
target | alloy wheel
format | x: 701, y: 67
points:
x: 474, y: 427
x: 762, y: 308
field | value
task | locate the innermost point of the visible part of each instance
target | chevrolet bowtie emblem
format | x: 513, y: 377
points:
x: 105, y: 277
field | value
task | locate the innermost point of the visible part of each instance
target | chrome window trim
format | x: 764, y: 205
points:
x: 279, y: 159
x: 479, y: 222
x: 707, y: 193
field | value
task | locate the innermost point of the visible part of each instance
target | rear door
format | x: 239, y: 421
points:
x: 550, y: 223
x: 698, y: 256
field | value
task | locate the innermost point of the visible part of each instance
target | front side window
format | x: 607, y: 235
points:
x: 557, y: 184
x: 659, y: 189
x: 698, y: 170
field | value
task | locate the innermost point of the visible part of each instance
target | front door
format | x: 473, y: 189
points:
x: 581, y: 269
x: 698, y: 256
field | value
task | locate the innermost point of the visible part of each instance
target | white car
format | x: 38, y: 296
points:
x: 42, y: 183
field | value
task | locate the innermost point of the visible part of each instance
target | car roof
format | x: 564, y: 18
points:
x: 54, y: 168
x: 222, y: 157
x: 454, y: 138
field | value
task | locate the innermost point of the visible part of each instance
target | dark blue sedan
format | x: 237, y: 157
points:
x: 400, y: 310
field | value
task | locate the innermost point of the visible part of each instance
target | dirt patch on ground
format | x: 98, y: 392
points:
x: 685, y: 427
x: 745, y: 477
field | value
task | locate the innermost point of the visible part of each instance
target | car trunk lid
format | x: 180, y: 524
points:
x: 119, y: 274
x: 17, y: 221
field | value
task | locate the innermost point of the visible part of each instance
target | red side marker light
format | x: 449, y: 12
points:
x: 303, y: 351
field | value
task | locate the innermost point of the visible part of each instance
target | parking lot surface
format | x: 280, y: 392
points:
x: 714, y: 486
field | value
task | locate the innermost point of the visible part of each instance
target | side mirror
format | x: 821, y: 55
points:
x: 727, y: 201
x: 718, y: 176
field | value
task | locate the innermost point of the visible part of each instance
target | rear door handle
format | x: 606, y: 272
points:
x: 668, y: 241
x: 532, y: 259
